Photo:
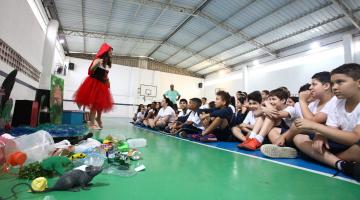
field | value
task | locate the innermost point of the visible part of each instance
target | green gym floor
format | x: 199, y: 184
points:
x: 179, y: 169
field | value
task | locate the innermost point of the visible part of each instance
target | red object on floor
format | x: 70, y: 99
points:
x: 17, y: 158
x: 241, y: 144
x: 251, y: 144
x: 34, y: 114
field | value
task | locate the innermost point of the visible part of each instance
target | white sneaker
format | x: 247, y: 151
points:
x: 274, y: 151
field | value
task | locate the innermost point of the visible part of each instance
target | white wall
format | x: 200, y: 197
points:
x: 23, y: 28
x: 292, y: 71
x: 124, y: 82
x: 231, y: 82
x: 24, y: 34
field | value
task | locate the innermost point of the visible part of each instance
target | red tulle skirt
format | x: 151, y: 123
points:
x: 95, y: 95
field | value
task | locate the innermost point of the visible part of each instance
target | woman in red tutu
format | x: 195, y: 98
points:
x: 94, y: 92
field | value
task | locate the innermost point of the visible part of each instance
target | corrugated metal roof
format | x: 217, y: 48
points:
x: 214, y: 34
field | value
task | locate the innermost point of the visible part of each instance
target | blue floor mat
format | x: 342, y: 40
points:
x: 301, y: 161
x: 61, y: 130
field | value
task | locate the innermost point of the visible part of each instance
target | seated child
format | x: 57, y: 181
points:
x: 204, y: 104
x: 241, y: 111
x: 165, y: 115
x: 245, y: 127
x: 217, y: 122
x: 155, y: 107
x: 211, y: 105
x: 140, y: 115
x: 268, y: 117
x: 315, y: 104
x: 265, y: 95
x: 339, y: 143
x: 185, y: 111
x: 193, y: 123
x: 138, y: 110
x: 232, y: 104
x: 181, y: 118
x: 148, y: 108
x: 292, y: 100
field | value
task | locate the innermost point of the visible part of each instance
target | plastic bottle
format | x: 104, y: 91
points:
x: 137, y: 142
x: 37, y: 146
x: 6, y: 148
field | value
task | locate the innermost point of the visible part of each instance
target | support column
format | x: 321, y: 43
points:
x: 348, y: 48
x: 48, y: 54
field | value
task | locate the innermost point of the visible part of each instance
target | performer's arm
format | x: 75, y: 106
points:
x: 96, y: 64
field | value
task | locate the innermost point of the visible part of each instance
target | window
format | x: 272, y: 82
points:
x: 15, y: 60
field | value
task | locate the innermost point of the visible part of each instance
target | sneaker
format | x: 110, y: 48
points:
x: 241, y: 144
x: 194, y: 136
x: 183, y: 134
x: 252, y: 144
x: 274, y: 151
x: 208, y: 138
x: 351, y: 169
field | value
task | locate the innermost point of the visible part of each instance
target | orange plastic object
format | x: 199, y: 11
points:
x: 17, y: 158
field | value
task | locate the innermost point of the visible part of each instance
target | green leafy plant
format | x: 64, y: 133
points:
x: 33, y: 170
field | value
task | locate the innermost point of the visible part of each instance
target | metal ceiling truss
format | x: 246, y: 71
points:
x: 202, y: 35
x: 293, y: 34
x: 109, y: 36
x: 50, y: 6
x: 203, y: 4
x: 343, y: 30
x: 288, y: 36
x: 347, y: 12
x: 315, y: 9
x: 161, y: 5
x: 141, y: 62
x: 202, y: 15
x: 134, y: 39
x: 83, y: 21
x: 221, y: 40
x: 110, y: 16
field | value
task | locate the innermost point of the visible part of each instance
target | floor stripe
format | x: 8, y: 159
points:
x: 252, y: 156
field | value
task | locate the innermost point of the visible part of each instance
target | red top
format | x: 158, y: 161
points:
x: 103, y: 49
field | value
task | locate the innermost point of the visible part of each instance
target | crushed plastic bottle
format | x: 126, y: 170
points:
x: 137, y: 142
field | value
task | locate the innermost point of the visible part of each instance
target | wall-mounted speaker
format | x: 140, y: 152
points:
x: 71, y: 66
x: 200, y: 85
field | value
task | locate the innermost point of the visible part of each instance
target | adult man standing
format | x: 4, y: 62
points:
x: 173, y: 95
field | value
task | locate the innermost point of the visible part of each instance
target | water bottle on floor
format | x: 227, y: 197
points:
x: 137, y: 142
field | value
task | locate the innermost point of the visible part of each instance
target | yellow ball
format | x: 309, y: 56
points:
x: 39, y: 184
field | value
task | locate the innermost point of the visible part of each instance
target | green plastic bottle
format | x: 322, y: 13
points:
x: 123, y: 146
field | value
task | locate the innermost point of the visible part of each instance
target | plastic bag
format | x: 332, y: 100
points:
x: 37, y: 145
x: 86, y: 145
x: 6, y: 148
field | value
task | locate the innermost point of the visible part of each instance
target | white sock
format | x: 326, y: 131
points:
x: 259, y: 138
x: 252, y: 135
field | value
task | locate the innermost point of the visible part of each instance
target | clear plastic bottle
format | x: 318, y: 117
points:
x: 37, y: 145
x: 137, y: 142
